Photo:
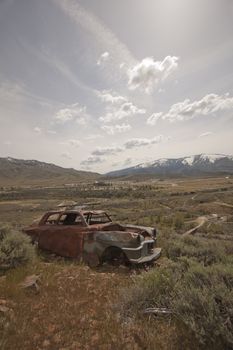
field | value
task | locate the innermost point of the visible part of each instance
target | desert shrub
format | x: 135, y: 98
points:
x: 206, y: 252
x: 4, y: 229
x: 201, y: 298
x: 215, y: 228
x: 204, y: 302
x: 15, y: 248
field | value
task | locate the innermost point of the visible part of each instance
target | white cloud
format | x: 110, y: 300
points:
x: 139, y: 142
x: 209, y: 104
x: 103, y: 58
x: 92, y: 160
x: 152, y: 120
x: 73, y: 112
x: 207, y: 133
x: 37, y: 130
x: 149, y: 73
x: 117, y: 107
x: 113, y: 129
x: 107, y: 151
x: 108, y: 96
x: 66, y: 155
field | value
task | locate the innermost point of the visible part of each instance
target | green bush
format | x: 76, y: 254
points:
x: 201, y: 298
x: 15, y: 248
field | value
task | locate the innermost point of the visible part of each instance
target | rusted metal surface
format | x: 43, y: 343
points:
x: 91, y: 236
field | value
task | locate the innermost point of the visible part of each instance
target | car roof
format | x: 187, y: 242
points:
x: 82, y: 212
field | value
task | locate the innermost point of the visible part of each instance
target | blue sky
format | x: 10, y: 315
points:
x: 103, y: 84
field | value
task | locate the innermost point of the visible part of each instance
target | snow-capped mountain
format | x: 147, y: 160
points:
x: 191, y: 165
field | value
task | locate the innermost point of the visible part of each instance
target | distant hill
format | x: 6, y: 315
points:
x: 201, y: 164
x: 14, y: 172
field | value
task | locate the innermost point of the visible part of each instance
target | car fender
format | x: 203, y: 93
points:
x: 95, y: 243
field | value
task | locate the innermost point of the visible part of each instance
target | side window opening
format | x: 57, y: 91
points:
x: 78, y: 221
x: 71, y: 219
x: 102, y: 218
x: 52, y: 219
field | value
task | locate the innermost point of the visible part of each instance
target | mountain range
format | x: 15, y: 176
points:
x: 31, y: 172
x: 201, y: 164
x: 15, y: 172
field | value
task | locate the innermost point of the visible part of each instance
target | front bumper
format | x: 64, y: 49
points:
x: 142, y: 254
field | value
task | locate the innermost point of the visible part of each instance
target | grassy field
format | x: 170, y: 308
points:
x: 81, y: 308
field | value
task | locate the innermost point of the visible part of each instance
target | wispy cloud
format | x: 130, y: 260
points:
x: 52, y: 132
x: 114, y: 129
x: 149, y: 73
x: 92, y: 137
x: 72, y: 142
x: 102, y: 34
x: 11, y: 91
x: 47, y: 56
x: 207, y: 133
x: 92, y: 160
x: 139, y: 142
x: 61, y: 67
x: 107, y: 151
x: 128, y: 145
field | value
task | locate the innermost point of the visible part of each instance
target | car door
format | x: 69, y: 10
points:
x: 64, y: 237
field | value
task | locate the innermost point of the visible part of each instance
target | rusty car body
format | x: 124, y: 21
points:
x: 91, y: 236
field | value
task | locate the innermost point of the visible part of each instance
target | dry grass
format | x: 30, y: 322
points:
x: 73, y: 310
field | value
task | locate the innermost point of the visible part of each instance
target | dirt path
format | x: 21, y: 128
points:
x: 223, y: 204
x: 201, y: 220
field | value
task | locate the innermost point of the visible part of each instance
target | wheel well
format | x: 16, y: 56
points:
x: 113, y: 253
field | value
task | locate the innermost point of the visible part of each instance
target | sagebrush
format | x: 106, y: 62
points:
x: 199, y: 297
x: 15, y: 248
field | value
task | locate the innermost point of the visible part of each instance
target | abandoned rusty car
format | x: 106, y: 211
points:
x: 91, y: 236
